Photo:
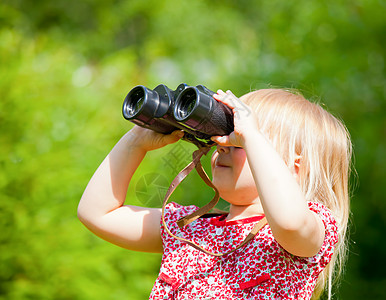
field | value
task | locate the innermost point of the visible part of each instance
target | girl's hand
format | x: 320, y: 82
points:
x: 244, y: 120
x: 147, y: 140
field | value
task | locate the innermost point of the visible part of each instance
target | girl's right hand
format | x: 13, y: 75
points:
x: 148, y: 140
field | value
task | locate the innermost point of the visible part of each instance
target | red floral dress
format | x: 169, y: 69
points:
x: 260, y: 270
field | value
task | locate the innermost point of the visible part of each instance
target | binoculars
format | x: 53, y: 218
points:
x: 189, y: 108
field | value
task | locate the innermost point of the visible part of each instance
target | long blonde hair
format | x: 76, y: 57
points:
x: 300, y: 128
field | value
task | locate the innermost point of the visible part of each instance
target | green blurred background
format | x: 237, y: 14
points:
x: 65, y: 67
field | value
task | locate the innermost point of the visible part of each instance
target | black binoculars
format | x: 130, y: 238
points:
x: 189, y: 108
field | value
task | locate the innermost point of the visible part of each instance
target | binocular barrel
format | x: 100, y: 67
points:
x: 189, y: 108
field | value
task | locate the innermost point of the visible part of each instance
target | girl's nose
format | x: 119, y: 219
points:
x: 222, y: 149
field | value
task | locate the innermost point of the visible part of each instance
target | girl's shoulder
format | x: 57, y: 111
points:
x: 317, y: 207
x: 325, y: 214
x: 325, y: 253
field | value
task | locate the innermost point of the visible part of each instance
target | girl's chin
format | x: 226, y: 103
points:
x: 237, y: 202
x: 235, y: 198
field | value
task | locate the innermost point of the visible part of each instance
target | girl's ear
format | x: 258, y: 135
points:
x: 296, y: 168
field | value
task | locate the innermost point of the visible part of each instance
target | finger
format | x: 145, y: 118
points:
x: 226, y: 140
x: 234, y: 101
x: 220, y: 95
x: 227, y: 99
x: 221, y: 140
x: 229, y: 92
x: 178, y: 133
x: 235, y: 104
x: 173, y: 137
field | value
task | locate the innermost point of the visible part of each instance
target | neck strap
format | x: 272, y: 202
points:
x: 196, y: 164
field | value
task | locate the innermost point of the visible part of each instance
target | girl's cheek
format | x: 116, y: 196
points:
x: 240, y: 156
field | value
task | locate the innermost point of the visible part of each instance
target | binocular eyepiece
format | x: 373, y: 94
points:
x: 189, y: 108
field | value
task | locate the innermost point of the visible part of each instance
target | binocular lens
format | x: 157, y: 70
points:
x: 135, y: 102
x: 186, y: 104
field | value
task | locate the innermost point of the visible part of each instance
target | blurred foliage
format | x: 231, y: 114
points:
x: 65, y: 67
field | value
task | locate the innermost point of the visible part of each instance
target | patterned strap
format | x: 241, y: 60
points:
x: 196, y: 163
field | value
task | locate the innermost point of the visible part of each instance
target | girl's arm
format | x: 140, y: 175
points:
x: 102, y: 209
x: 294, y: 226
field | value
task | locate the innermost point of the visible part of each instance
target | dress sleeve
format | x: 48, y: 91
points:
x: 323, y: 257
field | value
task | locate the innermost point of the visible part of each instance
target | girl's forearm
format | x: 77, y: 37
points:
x: 108, y: 186
x: 294, y: 226
x: 280, y: 194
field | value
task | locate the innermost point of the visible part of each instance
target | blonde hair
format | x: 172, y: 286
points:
x: 300, y: 128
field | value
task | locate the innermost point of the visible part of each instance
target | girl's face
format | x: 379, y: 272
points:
x: 232, y: 176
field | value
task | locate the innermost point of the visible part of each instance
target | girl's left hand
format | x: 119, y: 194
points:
x: 244, y: 120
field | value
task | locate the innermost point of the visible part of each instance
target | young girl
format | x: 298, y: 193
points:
x: 287, y: 160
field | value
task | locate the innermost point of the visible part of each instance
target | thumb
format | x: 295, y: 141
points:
x: 226, y: 140
x: 221, y: 140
